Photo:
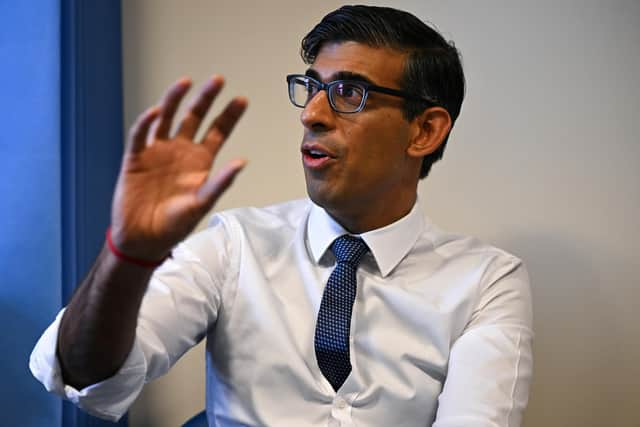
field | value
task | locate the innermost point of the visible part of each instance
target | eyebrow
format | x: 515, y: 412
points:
x: 340, y: 75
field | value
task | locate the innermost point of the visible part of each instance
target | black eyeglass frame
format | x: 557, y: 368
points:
x: 367, y: 87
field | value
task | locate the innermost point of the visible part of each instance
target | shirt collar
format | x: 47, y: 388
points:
x: 389, y: 244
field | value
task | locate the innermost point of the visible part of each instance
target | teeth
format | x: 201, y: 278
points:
x: 316, y: 153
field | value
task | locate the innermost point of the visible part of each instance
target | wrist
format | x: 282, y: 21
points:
x: 122, y: 256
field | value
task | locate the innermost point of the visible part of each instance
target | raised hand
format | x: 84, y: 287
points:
x: 164, y: 187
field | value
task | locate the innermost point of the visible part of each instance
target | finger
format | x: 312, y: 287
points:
x: 169, y: 105
x: 198, y: 109
x: 212, y: 189
x: 224, y: 124
x: 138, y: 132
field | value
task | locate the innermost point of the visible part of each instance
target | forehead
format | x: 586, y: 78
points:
x: 382, y: 66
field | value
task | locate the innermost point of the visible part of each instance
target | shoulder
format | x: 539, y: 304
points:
x: 278, y: 216
x: 495, y: 281
x: 453, y: 246
x: 263, y: 227
x: 229, y: 233
x: 469, y: 261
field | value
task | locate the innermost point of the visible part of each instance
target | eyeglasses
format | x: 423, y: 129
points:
x: 345, y: 96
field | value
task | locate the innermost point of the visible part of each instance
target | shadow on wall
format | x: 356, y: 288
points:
x: 579, y: 346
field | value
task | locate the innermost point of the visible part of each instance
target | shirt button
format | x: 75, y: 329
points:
x: 340, y: 403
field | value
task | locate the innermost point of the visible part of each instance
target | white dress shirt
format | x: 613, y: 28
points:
x: 440, y: 334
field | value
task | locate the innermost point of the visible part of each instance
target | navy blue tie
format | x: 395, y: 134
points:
x: 334, y: 317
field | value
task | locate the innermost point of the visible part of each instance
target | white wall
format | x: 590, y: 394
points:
x: 543, y: 162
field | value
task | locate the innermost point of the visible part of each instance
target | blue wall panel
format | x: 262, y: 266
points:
x: 92, y: 143
x: 30, y: 234
x: 60, y: 148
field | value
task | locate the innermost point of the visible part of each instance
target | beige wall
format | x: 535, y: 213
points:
x: 543, y: 162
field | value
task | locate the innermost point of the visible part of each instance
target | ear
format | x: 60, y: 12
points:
x: 428, y: 131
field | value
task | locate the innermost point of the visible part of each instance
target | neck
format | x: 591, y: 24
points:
x: 357, y: 220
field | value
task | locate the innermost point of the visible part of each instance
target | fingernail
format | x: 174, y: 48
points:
x: 216, y: 79
x: 239, y: 163
x: 184, y: 81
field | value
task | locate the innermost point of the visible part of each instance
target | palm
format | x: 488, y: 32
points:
x: 162, y: 183
x: 163, y: 189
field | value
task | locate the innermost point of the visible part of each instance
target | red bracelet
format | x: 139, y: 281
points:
x: 127, y: 258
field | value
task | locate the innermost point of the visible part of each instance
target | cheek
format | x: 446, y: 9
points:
x: 376, y: 145
x: 386, y: 138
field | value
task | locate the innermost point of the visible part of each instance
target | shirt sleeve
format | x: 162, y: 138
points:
x: 490, y: 364
x: 179, y: 306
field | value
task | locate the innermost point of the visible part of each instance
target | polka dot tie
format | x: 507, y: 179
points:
x: 334, y: 317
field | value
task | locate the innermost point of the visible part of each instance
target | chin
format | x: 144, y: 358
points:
x: 317, y: 197
x: 321, y: 196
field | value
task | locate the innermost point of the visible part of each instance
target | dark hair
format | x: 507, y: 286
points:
x: 433, y: 68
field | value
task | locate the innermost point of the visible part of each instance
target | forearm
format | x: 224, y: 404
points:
x: 98, y: 328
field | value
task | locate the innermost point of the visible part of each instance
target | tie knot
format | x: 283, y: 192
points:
x: 349, y: 249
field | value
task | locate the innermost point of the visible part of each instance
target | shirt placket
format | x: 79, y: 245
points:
x: 341, y: 412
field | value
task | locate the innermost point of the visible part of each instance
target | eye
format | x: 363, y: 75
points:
x: 349, y: 92
x: 307, y: 86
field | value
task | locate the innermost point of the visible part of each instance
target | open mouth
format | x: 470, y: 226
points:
x: 316, y: 154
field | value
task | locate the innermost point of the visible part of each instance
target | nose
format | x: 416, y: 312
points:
x: 318, y: 115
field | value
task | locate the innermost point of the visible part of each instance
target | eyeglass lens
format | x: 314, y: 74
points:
x: 345, y: 97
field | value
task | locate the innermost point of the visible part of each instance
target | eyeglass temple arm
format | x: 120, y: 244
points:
x: 402, y: 94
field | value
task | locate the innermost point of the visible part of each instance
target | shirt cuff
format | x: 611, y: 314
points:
x: 109, y: 399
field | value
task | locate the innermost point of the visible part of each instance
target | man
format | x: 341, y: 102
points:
x: 348, y: 309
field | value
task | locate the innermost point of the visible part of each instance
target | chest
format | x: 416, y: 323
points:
x: 401, y: 331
